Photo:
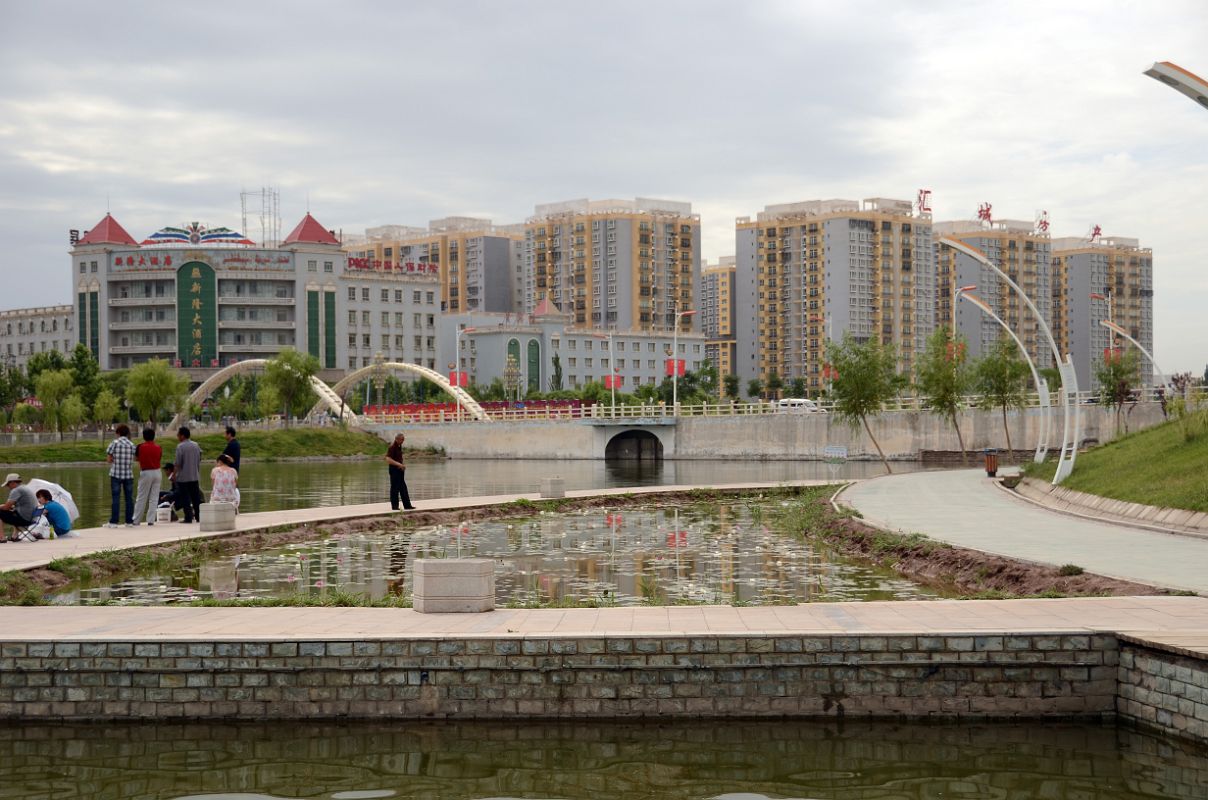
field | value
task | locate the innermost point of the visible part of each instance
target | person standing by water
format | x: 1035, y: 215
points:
x: 120, y: 455
x: 148, y: 454
x: 232, y: 447
x: 398, y: 483
x: 188, y: 474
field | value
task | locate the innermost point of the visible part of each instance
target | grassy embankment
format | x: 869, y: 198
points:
x: 1157, y: 467
x: 257, y: 445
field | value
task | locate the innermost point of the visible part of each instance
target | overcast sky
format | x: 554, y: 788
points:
x: 404, y: 112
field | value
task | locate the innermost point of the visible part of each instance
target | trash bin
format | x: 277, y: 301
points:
x: 991, y: 462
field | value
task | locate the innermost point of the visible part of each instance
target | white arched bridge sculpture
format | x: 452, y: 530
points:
x: 330, y: 397
x: 462, y: 397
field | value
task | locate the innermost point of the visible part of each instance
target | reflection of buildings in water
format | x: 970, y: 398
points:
x: 396, y: 561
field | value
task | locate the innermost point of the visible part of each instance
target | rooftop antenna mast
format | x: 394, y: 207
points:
x: 263, y: 205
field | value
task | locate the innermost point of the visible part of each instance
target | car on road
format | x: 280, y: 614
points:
x: 799, y: 405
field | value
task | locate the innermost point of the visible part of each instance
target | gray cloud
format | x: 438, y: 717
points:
x: 403, y: 112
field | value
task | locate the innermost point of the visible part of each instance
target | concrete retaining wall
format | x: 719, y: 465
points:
x: 1163, y: 688
x: 901, y: 434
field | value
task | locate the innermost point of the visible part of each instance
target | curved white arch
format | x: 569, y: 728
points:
x: 327, y: 398
x: 460, y: 395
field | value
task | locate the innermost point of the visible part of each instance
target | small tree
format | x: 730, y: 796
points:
x: 865, y: 380
x: 797, y: 387
x: 754, y: 388
x: 52, y: 388
x: 45, y: 361
x: 105, y: 410
x: 72, y: 413
x: 1118, y: 374
x: 731, y: 384
x: 289, y: 375
x: 775, y: 385
x: 1000, y: 377
x: 153, y: 386
x: 87, y: 374
x: 25, y: 414
x: 943, y: 378
x: 555, y: 378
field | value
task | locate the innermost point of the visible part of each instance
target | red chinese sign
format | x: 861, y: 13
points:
x: 674, y: 366
x: 984, y: 212
x: 459, y: 378
x: 612, y: 381
x: 398, y: 266
x: 924, y: 201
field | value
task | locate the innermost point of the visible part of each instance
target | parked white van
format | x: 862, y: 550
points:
x: 798, y: 405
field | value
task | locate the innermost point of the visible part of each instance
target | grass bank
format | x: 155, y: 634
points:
x: 1157, y: 467
x: 257, y: 445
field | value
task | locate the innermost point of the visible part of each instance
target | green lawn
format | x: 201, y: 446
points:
x: 262, y: 445
x: 1155, y: 466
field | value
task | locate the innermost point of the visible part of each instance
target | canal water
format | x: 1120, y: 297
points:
x: 739, y: 760
x: 723, y: 553
x: 266, y: 486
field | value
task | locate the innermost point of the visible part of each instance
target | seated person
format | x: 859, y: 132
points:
x: 224, y: 481
x: 56, y: 515
x: 170, y: 495
x: 19, y: 510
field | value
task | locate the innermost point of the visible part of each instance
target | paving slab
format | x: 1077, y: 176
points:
x: 965, y: 508
x: 1182, y: 620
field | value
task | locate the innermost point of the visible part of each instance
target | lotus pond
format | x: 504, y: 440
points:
x: 717, y: 553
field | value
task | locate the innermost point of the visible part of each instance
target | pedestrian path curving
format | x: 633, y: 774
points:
x: 967, y: 509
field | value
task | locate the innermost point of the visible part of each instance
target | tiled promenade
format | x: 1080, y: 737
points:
x: 965, y: 508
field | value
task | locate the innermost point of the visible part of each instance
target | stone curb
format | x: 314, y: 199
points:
x: 1174, y: 521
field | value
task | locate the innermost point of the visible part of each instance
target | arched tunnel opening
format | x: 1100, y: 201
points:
x: 634, y: 446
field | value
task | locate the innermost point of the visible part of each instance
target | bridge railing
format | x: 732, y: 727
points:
x: 723, y: 409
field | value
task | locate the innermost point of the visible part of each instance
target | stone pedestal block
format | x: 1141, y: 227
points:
x: 444, y: 585
x: 553, y: 487
x: 217, y: 516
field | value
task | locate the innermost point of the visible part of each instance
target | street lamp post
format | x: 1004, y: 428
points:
x: 457, y: 363
x: 1119, y: 331
x: 1042, y: 386
x: 675, y: 361
x: 612, y: 378
x: 1069, y: 378
x: 1181, y: 81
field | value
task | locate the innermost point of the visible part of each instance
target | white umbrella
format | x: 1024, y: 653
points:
x: 58, y: 494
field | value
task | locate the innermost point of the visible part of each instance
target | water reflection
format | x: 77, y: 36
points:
x: 749, y: 759
x: 273, y: 487
x: 720, y: 554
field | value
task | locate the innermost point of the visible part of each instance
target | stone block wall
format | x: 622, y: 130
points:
x: 1163, y: 688
x: 626, y: 676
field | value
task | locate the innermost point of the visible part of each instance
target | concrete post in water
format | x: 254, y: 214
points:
x: 453, y: 585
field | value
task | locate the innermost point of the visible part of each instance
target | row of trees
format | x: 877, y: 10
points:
x: 61, y: 394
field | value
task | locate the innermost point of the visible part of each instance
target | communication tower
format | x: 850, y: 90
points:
x: 263, y: 205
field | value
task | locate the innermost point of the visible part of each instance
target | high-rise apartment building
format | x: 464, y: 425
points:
x: 480, y: 264
x: 1020, y: 250
x: 630, y: 265
x: 716, y: 317
x: 1099, y: 279
x: 811, y: 271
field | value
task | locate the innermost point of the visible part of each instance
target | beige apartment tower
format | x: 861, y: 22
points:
x: 627, y: 265
x: 717, y: 320
x: 1096, y: 279
x: 812, y: 271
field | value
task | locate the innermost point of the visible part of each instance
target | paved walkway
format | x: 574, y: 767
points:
x: 1175, y: 620
x: 29, y: 555
x: 965, y: 508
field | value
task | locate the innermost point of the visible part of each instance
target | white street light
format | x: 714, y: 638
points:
x: 1181, y: 81
x: 457, y: 363
x: 1119, y: 331
x: 675, y: 361
x: 1069, y: 378
x: 1042, y: 386
x: 959, y: 291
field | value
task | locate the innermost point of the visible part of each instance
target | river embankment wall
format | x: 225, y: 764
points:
x: 902, y: 435
x: 618, y: 676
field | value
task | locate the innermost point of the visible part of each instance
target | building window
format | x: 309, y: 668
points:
x: 365, y: 293
x: 352, y: 318
x: 365, y: 318
x: 352, y: 293
x: 429, y: 298
x: 92, y: 266
x: 312, y: 266
x: 385, y: 295
x: 365, y: 340
x: 352, y: 340
x: 415, y: 297
x: 398, y: 296
x: 83, y: 267
x: 327, y: 266
x: 398, y: 319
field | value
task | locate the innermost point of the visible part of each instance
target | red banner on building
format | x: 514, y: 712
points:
x: 612, y: 381
x: 459, y: 378
x: 674, y: 366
